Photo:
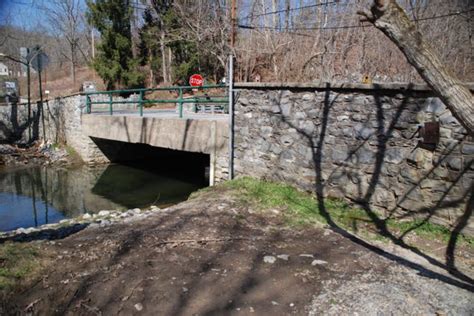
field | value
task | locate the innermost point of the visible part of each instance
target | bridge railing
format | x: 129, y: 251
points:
x: 199, y: 98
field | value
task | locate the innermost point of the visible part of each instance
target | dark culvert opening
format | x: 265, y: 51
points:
x: 142, y: 175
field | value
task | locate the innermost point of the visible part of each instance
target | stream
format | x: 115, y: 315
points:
x: 34, y: 196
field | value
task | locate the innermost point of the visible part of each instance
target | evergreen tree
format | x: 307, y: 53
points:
x: 115, y: 62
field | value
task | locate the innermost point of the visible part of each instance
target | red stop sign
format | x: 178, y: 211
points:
x: 196, y: 80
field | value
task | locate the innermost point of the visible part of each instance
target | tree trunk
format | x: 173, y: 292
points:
x: 275, y: 16
x: 392, y: 20
x: 73, y: 65
x: 152, y: 77
x: 170, y: 63
x: 287, y: 15
x: 163, y: 55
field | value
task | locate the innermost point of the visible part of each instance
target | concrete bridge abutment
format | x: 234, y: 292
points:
x: 205, y: 136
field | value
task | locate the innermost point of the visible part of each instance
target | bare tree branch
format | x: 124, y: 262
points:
x: 392, y: 20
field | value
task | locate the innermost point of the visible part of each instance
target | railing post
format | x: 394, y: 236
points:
x: 140, y: 102
x: 180, y: 101
x: 111, y: 111
x: 88, y: 104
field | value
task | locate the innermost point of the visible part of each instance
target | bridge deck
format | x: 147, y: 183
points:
x: 163, y: 114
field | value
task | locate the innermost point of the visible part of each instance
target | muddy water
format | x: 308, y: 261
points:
x: 40, y: 195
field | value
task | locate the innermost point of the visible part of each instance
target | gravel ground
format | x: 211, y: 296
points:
x: 400, y: 292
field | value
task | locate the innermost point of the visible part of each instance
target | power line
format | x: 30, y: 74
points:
x: 251, y: 27
x: 444, y: 16
x: 291, y: 9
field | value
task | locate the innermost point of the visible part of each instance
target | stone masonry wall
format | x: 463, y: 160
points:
x: 62, y: 121
x: 358, y: 143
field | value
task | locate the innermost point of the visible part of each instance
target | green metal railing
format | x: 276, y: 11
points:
x: 180, y: 100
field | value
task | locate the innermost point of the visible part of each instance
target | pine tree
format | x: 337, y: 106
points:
x: 115, y: 62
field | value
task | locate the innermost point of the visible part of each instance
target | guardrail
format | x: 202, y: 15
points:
x: 180, y: 100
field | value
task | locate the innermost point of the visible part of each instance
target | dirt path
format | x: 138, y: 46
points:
x: 212, y: 256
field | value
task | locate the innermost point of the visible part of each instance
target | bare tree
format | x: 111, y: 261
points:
x: 328, y: 42
x: 392, y: 20
x: 206, y: 26
x: 66, y: 17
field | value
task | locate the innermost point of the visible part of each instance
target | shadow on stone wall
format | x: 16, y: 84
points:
x: 16, y: 126
x: 325, y: 170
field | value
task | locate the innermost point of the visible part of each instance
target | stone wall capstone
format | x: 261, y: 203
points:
x: 360, y: 144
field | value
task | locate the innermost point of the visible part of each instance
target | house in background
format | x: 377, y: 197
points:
x: 3, y: 69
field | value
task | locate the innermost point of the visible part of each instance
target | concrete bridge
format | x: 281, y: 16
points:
x: 206, y: 134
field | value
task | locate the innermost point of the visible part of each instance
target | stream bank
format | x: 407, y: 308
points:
x: 36, y: 154
x: 221, y: 253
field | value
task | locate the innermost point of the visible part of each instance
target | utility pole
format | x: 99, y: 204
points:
x: 230, y: 77
x: 233, y: 21
x: 28, y: 76
x: 92, y: 43
x: 41, y: 97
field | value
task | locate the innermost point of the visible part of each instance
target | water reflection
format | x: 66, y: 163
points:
x: 40, y: 195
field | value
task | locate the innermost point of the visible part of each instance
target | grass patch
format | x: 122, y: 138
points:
x: 301, y: 208
x: 71, y: 151
x: 427, y: 229
x: 17, y: 262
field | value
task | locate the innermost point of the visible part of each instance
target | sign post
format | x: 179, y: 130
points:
x: 39, y: 61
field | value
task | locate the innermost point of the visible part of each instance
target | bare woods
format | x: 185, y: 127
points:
x: 275, y: 40
x: 324, y: 40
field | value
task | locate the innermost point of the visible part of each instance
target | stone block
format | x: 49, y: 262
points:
x: 390, y: 169
x: 449, y: 145
x: 341, y: 118
x: 395, y: 155
x: 308, y: 97
x: 266, y: 130
x: 313, y: 114
x: 359, y: 117
x: 440, y: 172
x: 468, y: 148
x: 287, y: 155
x: 299, y: 115
x: 363, y: 132
x: 411, y: 175
x: 448, y: 119
x: 364, y: 156
x: 383, y: 198
x: 285, y: 109
x: 348, y: 131
x: 419, y: 156
x: 421, y: 117
x: 276, y: 109
x: 454, y: 163
x: 434, y: 105
x: 339, y: 154
x: 310, y: 128
x: 348, y: 98
x: 242, y: 101
x: 414, y: 200
x: 445, y: 132
x: 286, y: 140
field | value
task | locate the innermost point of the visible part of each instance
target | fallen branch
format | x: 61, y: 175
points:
x: 29, y: 308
